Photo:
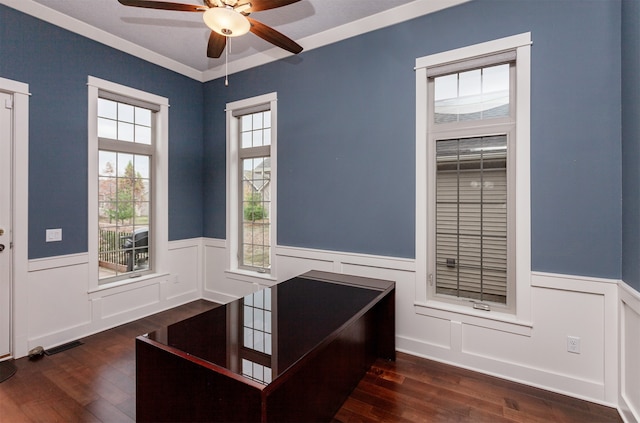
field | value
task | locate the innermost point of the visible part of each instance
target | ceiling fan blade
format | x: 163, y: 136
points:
x: 258, y: 5
x: 274, y: 37
x: 162, y: 5
x: 216, y: 45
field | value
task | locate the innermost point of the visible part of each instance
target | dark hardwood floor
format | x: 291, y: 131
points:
x: 95, y: 382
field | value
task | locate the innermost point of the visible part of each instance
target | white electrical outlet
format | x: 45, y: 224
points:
x: 573, y: 344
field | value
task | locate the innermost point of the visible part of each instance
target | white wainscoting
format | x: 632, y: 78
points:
x: 604, y: 313
x: 60, y: 307
x: 629, y: 308
x: 534, y: 353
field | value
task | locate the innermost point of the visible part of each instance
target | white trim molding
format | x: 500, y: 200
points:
x: 20, y: 145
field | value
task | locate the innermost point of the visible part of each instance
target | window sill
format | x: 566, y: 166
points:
x: 251, y: 276
x: 127, y: 284
x: 495, y: 320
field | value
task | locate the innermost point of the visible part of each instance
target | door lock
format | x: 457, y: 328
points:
x: 1, y: 231
x: 1, y: 248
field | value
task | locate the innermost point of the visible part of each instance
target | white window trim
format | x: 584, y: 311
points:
x: 233, y: 190
x: 430, y: 306
x: 160, y: 195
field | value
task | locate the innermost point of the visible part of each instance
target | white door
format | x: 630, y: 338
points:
x: 6, y: 131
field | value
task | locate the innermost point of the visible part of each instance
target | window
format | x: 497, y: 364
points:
x: 472, y: 129
x: 127, y: 130
x: 472, y: 190
x: 251, y: 191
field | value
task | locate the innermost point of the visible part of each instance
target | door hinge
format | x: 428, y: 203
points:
x: 8, y: 103
x: 431, y: 279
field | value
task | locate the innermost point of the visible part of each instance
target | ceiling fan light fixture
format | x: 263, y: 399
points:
x: 226, y: 21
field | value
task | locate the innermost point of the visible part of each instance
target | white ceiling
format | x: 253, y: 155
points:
x: 178, y: 40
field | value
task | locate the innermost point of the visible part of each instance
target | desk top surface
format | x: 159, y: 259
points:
x: 262, y: 334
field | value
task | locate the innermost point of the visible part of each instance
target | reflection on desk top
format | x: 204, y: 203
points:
x: 261, y: 335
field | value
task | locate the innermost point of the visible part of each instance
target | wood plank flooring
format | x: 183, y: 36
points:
x: 95, y: 382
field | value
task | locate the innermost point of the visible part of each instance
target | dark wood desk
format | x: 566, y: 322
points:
x: 290, y: 353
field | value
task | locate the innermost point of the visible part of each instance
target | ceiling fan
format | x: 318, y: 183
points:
x: 229, y: 18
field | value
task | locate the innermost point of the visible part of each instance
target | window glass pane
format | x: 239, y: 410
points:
x: 125, y: 131
x: 107, y: 128
x: 245, y: 123
x: 142, y: 134
x: 142, y: 116
x: 257, y: 120
x: 107, y: 109
x: 266, y: 137
x: 257, y: 138
x: 107, y: 163
x: 267, y: 301
x: 246, y: 139
x: 495, y: 89
x: 472, y: 95
x: 125, y: 164
x: 258, y: 299
x: 125, y: 112
x: 247, y: 368
x: 142, y: 166
x: 495, y: 79
x: 446, y: 87
x: 470, y: 83
x: 266, y: 119
x: 267, y: 343
x: 267, y: 321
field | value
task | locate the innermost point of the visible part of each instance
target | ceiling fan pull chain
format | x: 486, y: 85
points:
x: 226, y: 62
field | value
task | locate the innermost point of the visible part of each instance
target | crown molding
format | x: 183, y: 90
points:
x: 61, y: 20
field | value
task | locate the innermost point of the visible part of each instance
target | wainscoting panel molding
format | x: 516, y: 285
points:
x: 61, y: 308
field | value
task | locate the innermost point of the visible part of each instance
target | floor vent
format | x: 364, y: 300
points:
x: 63, y: 347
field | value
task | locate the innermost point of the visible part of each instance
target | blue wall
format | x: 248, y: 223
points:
x: 346, y: 133
x: 631, y: 142
x: 55, y: 63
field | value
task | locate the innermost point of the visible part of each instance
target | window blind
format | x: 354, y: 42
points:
x: 471, y: 218
x: 128, y: 100
x: 476, y: 63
